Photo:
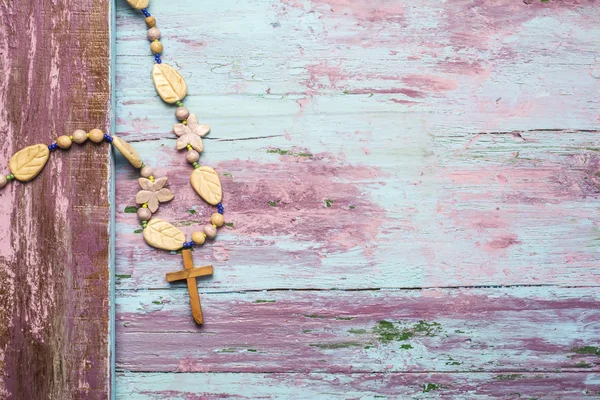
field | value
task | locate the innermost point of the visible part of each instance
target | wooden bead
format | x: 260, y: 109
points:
x: 162, y: 235
x: 198, y: 237
x: 156, y: 47
x: 144, y: 214
x: 150, y: 22
x: 210, y: 231
x: 127, y: 150
x: 27, y: 163
x: 207, y: 184
x: 169, y: 84
x: 64, y: 142
x: 96, y: 135
x: 3, y: 181
x: 153, y: 34
x: 146, y: 172
x: 182, y: 113
x: 192, y: 156
x: 217, y: 219
x: 79, y: 136
x: 138, y: 4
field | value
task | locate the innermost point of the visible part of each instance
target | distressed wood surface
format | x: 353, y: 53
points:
x: 442, y: 330
x: 152, y: 386
x: 383, y: 165
x: 54, y: 232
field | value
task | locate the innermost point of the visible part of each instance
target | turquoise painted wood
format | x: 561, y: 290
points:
x: 411, y: 193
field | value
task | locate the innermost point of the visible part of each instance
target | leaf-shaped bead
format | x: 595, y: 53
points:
x: 27, y: 163
x: 206, y: 183
x: 138, y: 4
x: 162, y: 235
x: 169, y: 83
x: 128, y: 151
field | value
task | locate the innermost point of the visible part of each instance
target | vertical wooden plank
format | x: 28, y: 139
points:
x: 54, y: 231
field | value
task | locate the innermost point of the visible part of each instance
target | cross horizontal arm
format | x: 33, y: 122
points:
x: 189, y: 273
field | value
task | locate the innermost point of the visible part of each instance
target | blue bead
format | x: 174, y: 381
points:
x: 159, y: 61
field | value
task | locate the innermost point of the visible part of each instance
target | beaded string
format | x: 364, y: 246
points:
x: 27, y: 163
x: 193, y: 155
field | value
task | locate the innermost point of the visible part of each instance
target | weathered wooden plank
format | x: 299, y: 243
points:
x: 54, y: 233
x: 207, y: 385
x: 431, y: 223
x: 511, y: 329
x: 513, y: 75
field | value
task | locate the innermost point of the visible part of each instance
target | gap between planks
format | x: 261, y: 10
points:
x: 212, y: 138
x: 549, y: 285
x: 425, y: 372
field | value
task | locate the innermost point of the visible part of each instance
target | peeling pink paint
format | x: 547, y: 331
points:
x: 466, y: 321
x: 285, y: 201
x: 430, y: 83
x: 363, y: 10
x: 502, y: 242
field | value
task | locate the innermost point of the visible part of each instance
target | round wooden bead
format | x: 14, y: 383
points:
x: 79, y: 136
x: 3, y: 181
x: 192, y: 156
x: 63, y: 141
x: 156, y: 47
x: 144, y: 214
x: 182, y: 113
x: 96, y: 135
x: 146, y: 172
x: 198, y: 237
x: 153, y: 34
x: 150, y: 22
x: 217, y: 219
x: 210, y: 231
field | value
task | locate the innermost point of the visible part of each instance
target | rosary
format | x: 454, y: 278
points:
x: 27, y: 163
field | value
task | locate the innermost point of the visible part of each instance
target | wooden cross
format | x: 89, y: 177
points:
x: 190, y: 274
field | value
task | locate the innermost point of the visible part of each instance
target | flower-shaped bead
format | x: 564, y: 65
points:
x: 153, y: 193
x: 191, y: 133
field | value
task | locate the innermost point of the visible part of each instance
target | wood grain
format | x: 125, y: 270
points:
x: 442, y: 330
x: 431, y: 165
x: 54, y: 232
x: 207, y: 385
